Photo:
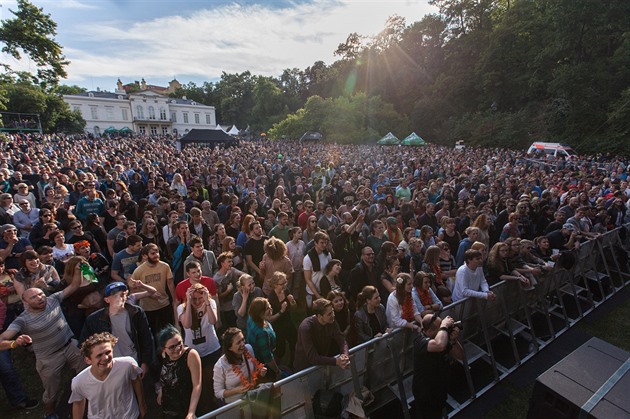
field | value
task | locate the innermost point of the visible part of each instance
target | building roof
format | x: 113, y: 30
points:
x: 101, y: 95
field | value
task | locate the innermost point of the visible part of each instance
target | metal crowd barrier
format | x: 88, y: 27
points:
x: 498, y: 336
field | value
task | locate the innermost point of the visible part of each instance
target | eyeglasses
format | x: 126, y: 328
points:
x: 24, y: 204
x: 313, y: 222
x: 175, y: 346
x: 369, y: 254
x: 121, y: 219
x: 76, y: 228
x: 46, y: 215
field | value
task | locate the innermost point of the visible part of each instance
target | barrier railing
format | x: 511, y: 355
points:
x: 498, y: 336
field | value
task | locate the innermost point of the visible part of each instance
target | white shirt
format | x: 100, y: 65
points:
x: 112, y: 398
x: 204, y: 340
x: 469, y: 283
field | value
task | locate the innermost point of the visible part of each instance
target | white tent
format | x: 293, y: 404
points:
x: 220, y: 128
x: 233, y: 130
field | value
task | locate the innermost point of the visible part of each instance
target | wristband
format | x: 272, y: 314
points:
x: 445, y: 329
x: 12, y: 346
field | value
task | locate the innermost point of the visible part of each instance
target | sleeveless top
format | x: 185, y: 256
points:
x: 176, y: 386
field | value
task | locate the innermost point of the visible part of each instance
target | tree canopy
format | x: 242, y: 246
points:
x: 31, y: 32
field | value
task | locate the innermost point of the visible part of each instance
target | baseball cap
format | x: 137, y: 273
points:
x: 569, y: 226
x: 114, y: 287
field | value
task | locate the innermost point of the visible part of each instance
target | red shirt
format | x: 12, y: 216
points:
x: 182, y: 287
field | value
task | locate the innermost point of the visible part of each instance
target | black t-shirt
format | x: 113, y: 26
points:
x: 255, y: 248
x: 430, y: 372
x: 557, y: 240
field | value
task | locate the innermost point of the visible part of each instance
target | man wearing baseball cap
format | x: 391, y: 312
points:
x: 564, y: 239
x: 126, y: 321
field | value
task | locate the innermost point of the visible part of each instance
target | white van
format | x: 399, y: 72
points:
x: 551, y: 149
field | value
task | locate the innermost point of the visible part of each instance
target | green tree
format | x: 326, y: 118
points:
x: 55, y: 114
x: 32, y: 33
x: 268, y: 104
x: 347, y: 119
x: 24, y: 97
x: 59, y: 118
x: 64, y: 89
x: 235, y: 96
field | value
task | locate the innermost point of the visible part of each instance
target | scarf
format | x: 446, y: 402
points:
x: 437, y: 270
x: 425, y: 296
x: 407, y: 309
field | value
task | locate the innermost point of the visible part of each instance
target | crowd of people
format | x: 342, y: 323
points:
x: 206, y: 272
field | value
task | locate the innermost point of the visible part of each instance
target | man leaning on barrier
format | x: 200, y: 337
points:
x: 320, y: 339
x: 431, y: 351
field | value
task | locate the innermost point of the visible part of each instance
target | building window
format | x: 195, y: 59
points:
x: 93, y: 112
x: 185, y: 117
x: 175, y: 131
x: 196, y: 118
x: 164, y: 130
x: 151, y: 112
x: 162, y: 114
x: 139, y: 112
x: 153, y: 130
x: 173, y: 116
x: 208, y: 119
x: 142, y: 129
x: 109, y: 111
x: 125, y: 115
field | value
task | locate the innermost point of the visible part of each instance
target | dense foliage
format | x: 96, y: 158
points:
x: 493, y: 73
x: 31, y: 33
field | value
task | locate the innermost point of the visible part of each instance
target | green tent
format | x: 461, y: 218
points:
x: 413, y: 139
x: 110, y: 130
x: 125, y: 129
x: 389, y: 139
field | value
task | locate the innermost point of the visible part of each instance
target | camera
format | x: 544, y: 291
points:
x: 457, y: 324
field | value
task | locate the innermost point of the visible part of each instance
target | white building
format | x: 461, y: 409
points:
x: 143, y: 112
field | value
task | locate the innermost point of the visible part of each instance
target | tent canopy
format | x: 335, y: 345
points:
x: 211, y: 137
x: 389, y: 139
x: 413, y: 139
x: 233, y: 130
x: 311, y: 136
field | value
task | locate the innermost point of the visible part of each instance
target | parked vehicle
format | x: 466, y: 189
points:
x: 553, y: 149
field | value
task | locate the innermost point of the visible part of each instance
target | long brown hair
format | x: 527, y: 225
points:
x: 401, y: 281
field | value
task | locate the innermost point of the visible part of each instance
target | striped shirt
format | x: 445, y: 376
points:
x: 48, y: 328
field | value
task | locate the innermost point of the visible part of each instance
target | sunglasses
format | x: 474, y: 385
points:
x: 175, y: 346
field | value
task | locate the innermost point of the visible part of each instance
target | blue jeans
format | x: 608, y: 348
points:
x: 10, y: 379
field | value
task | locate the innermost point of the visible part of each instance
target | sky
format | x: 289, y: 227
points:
x: 198, y: 40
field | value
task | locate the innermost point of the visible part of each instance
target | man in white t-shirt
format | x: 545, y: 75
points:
x: 111, y: 386
x: 314, y: 264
